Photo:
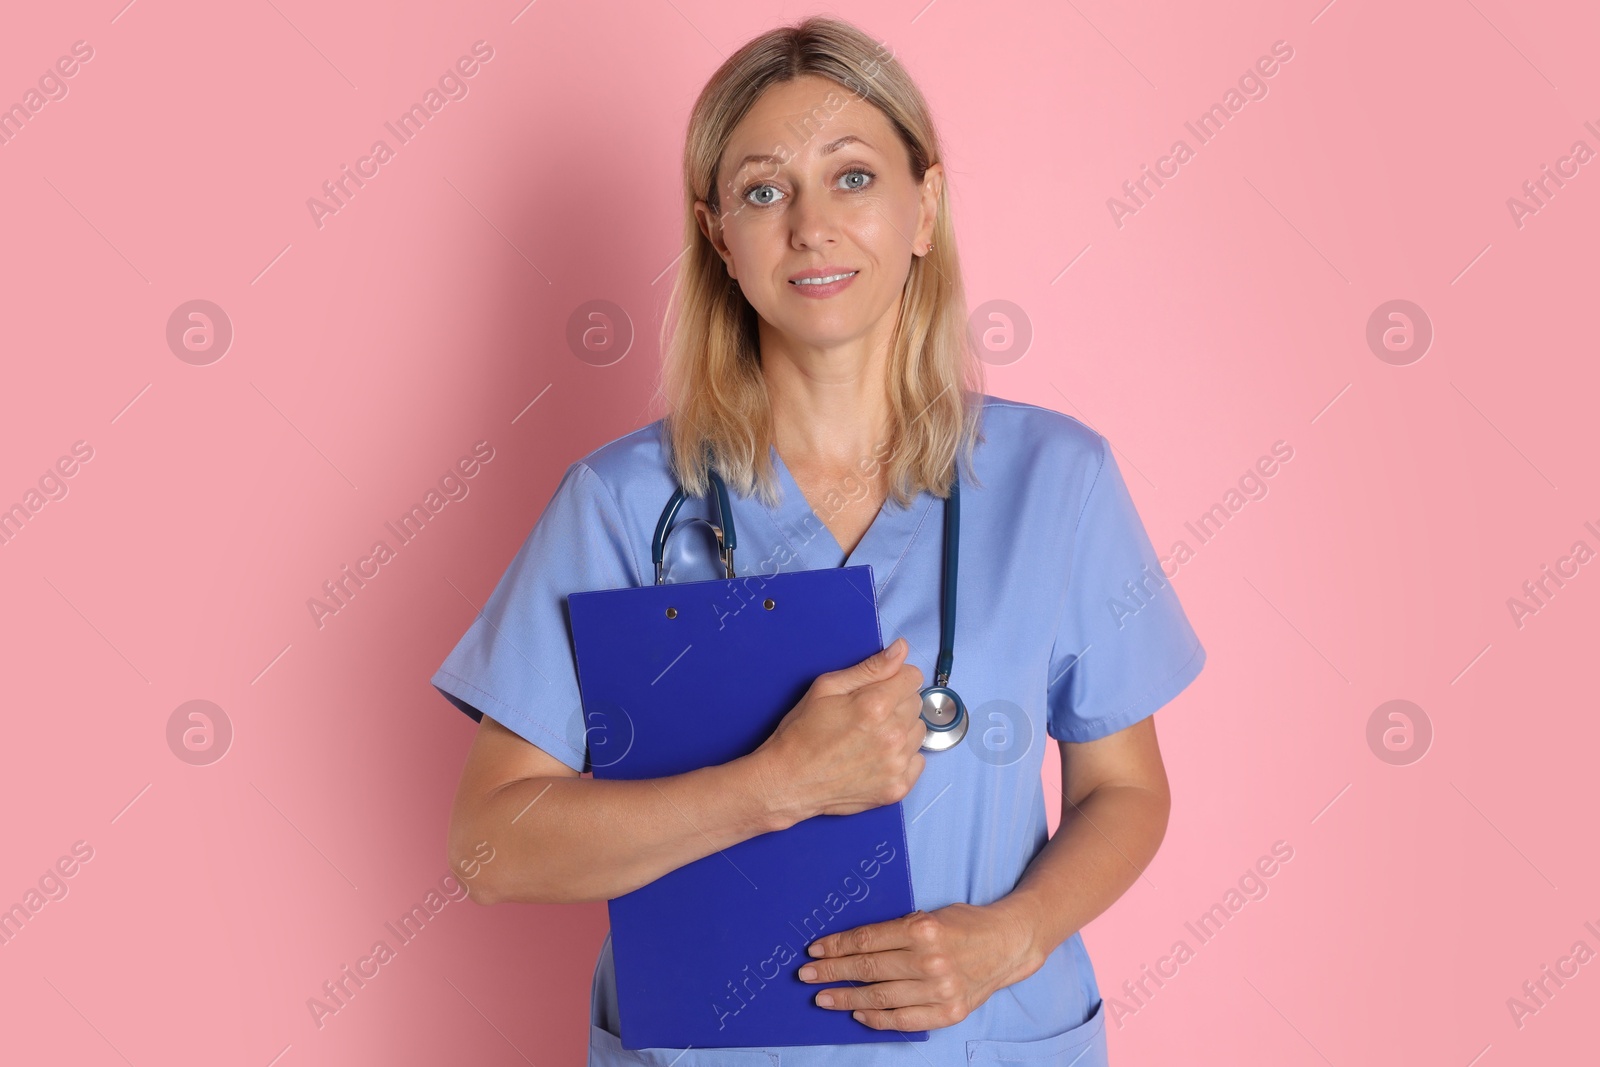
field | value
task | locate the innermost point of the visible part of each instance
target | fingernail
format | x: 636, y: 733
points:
x: 808, y: 973
x: 814, y: 949
x: 858, y: 1017
x: 825, y: 1000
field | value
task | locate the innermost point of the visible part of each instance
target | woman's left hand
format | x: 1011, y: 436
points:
x: 924, y: 970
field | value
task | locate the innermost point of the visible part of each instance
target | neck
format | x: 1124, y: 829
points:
x: 830, y: 406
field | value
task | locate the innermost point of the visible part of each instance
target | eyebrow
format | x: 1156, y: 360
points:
x: 830, y: 147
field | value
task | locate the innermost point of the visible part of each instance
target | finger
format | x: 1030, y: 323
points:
x: 863, y: 967
x: 880, y: 665
x: 873, y: 937
x: 902, y: 688
x: 875, y: 996
x: 910, y: 675
x: 914, y: 1017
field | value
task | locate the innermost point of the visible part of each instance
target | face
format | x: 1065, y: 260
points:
x: 828, y: 192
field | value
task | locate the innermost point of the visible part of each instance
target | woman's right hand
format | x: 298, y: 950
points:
x: 852, y: 742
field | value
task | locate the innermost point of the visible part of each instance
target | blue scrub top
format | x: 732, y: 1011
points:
x: 1065, y: 626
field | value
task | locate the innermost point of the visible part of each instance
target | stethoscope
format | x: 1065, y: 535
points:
x: 943, y: 714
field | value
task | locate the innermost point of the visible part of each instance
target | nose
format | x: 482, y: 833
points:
x: 813, y: 220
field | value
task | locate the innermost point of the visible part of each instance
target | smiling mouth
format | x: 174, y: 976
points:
x: 824, y: 281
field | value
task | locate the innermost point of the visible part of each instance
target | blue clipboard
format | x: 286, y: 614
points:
x: 679, y: 676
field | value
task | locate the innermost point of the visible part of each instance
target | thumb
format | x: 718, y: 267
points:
x: 879, y: 665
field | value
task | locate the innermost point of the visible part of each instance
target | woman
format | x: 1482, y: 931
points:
x: 820, y: 358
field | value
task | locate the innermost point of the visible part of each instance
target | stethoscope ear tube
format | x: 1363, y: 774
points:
x: 727, y: 539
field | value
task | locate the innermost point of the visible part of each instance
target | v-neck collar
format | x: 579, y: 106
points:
x: 893, y: 531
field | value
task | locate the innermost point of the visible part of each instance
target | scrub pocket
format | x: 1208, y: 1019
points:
x: 1081, y: 1046
x: 605, y: 1050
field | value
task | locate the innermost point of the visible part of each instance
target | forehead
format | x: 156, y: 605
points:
x: 806, y: 117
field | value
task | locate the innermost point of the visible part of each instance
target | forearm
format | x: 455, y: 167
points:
x: 1102, y: 845
x: 566, y: 840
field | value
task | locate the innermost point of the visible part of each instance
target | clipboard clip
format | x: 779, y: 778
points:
x: 726, y: 538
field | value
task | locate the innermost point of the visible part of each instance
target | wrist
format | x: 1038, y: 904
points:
x: 776, y: 806
x: 1019, y: 914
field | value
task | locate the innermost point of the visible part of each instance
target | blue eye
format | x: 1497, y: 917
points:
x: 862, y: 172
x: 748, y: 193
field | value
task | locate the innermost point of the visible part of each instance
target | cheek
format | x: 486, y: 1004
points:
x: 755, y: 242
x: 884, y: 230
x: 872, y: 231
x: 887, y: 250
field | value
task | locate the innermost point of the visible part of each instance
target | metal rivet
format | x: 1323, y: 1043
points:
x: 672, y: 613
x: 768, y: 604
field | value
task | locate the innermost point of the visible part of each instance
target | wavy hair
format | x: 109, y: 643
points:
x: 718, y: 408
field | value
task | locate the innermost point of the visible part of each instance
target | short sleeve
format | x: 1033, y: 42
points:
x: 516, y: 660
x: 1123, y: 645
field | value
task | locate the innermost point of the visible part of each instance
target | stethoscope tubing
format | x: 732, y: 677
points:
x: 727, y: 538
x: 947, y: 594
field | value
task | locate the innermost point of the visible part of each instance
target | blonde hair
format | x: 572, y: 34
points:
x: 711, y: 379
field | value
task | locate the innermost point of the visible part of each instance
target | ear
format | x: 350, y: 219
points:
x: 928, y: 210
x: 710, y: 224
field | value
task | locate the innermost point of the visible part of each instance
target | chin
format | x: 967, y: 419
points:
x: 809, y: 334
x: 827, y: 325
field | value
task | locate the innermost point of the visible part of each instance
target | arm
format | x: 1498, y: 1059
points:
x: 526, y: 827
x: 932, y: 969
x: 1114, y: 807
x: 557, y: 837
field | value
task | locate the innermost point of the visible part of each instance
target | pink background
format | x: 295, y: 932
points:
x: 368, y: 354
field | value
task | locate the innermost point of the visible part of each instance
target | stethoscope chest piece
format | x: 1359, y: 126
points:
x: 945, y: 717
